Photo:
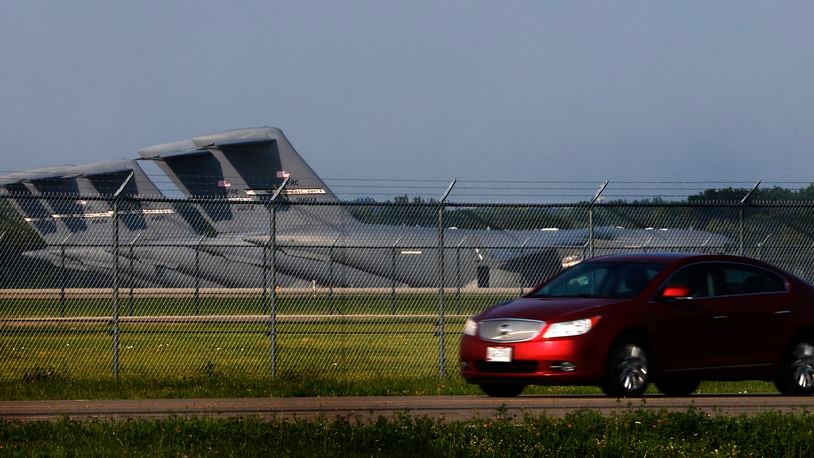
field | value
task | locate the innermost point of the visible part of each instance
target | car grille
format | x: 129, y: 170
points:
x: 514, y: 367
x: 509, y: 329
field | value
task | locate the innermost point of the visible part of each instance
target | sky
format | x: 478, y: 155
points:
x: 476, y: 90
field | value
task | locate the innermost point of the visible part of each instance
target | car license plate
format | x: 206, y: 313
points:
x: 499, y: 354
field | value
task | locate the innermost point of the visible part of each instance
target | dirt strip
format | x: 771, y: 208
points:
x: 444, y: 407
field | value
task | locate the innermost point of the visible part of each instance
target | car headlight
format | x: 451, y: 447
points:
x: 470, y: 327
x: 570, y: 328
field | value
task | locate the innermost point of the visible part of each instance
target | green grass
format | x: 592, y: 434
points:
x: 338, y: 356
x: 360, y: 349
x: 340, y: 348
x: 582, y: 433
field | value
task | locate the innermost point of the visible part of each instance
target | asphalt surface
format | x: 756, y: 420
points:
x: 444, y: 407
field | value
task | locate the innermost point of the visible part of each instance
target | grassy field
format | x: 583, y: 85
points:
x: 337, y: 345
x: 321, y: 354
x: 582, y: 433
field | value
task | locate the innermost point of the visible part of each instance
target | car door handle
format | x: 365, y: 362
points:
x: 783, y: 312
x: 720, y: 317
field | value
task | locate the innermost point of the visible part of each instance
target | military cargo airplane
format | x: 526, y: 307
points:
x: 221, y: 234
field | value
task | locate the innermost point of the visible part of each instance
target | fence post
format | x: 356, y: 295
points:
x: 265, y: 271
x: 441, y: 306
x: 131, y: 275
x: 458, y: 275
x: 198, y: 275
x: 3, y: 255
x: 522, y: 255
x: 115, y: 317
x: 331, y: 274
x: 62, y: 276
x: 273, y: 291
x: 595, y: 199
x: 393, y: 275
x: 744, y: 203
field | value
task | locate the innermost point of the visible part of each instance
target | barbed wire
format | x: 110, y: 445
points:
x: 387, y: 188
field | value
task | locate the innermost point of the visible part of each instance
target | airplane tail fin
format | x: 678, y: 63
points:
x: 145, y: 219
x: 73, y: 203
x: 36, y: 210
x: 16, y: 195
x: 248, y: 165
x: 260, y: 159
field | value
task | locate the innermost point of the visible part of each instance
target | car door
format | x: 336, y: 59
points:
x: 687, y: 332
x: 757, y: 305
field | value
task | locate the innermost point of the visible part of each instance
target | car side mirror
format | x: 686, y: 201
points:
x: 675, y: 292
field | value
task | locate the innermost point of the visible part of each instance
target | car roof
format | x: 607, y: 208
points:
x: 670, y: 258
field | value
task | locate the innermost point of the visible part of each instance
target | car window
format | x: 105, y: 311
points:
x: 586, y: 284
x: 743, y: 279
x: 697, y: 278
x: 600, y: 279
x: 634, y: 279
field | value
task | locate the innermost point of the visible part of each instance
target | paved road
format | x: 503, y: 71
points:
x: 446, y: 407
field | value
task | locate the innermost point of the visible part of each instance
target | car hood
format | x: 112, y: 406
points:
x: 547, y: 309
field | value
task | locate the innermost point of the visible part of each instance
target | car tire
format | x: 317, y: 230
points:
x: 502, y: 390
x: 677, y: 386
x: 628, y: 370
x: 795, y: 375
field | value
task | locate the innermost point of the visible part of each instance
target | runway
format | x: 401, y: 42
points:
x: 450, y: 408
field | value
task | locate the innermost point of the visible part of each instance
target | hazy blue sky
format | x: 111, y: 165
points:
x: 540, y: 90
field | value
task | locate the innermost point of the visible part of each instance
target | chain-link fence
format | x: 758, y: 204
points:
x: 155, y: 288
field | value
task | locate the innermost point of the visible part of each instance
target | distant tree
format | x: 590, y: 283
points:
x: 775, y: 193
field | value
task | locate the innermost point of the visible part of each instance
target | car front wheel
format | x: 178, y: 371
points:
x: 628, y: 371
x: 796, y: 374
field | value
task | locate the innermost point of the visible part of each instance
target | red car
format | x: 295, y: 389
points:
x: 621, y: 322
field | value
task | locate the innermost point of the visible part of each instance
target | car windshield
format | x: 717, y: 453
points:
x: 600, y: 279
